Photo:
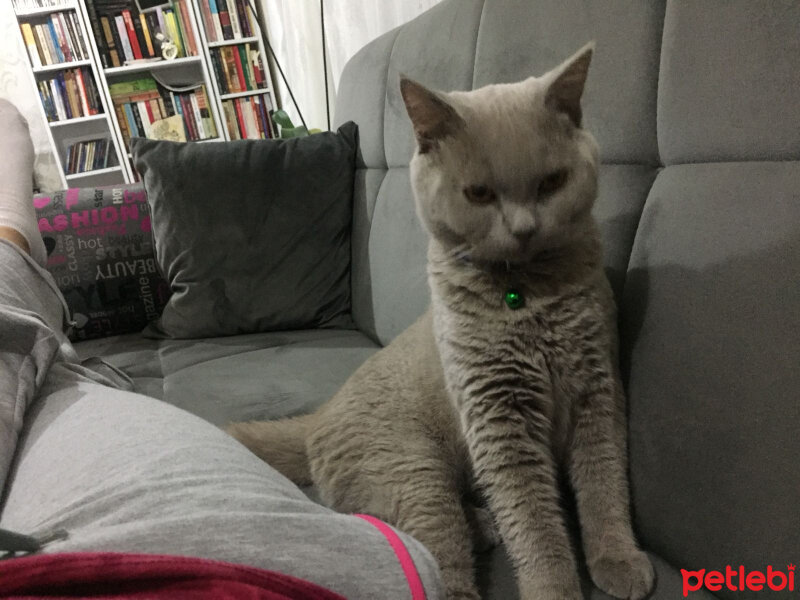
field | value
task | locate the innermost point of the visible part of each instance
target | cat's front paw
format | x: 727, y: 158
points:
x: 626, y: 575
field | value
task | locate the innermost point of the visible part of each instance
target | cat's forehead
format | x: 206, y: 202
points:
x: 511, y: 131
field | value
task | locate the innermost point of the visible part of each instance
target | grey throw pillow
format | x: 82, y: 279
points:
x: 252, y: 235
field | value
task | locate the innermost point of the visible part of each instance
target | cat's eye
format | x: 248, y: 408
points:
x: 552, y: 182
x: 479, y: 194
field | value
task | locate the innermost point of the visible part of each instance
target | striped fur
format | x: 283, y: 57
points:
x: 476, y: 399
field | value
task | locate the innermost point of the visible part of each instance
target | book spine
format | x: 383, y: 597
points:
x: 127, y: 49
x: 240, y: 117
x: 230, y: 69
x: 208, y: 21
x: 225, y: 19
x: 141, y: 119
x: 131, y: 119
x: 147, y: 38
x: 244, y: 23
x: 244, y: 57
x: 41, y: 44
x: 30, y: 44
x: 198, y: 118
x: 59, y: 55
x: 239, y: 68
x: 230, y: 120
x: 262, y: 117
x: 131, y: 32
x: 174, y: 34
x: 84, y: 97
x: 97, y: 31
x: 69, y: 91
x: 51, y: 47
x: 137, y: 29
x: 212, y: 4
x: 76, y: 25
x: 76, y: 35
x: 205, y: 112
x: 247, y: 58
x: 54, y: 94
x: 111, y: 44
x: 70, y: 45
x: 188, y: 29
x: 123, y: 121
x: 217, y: 68
x: 237, y: 30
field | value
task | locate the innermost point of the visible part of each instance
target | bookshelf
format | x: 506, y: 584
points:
x: 133, y: 84
x: 142, y: 87
x: 68, y: 81
x: 232, y: 44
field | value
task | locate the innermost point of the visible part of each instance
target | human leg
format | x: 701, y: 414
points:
x: 17, y: 215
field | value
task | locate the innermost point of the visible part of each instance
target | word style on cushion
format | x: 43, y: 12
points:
x: 252, y: 235
x: 101, y: 254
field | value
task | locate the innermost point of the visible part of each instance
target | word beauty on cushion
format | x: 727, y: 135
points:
x: 253, y: 235
x: 101, y: 254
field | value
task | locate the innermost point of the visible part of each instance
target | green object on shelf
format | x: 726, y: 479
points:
x: 288, y: 130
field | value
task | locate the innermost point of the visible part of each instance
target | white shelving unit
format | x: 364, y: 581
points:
x: 179, y: 72
x: 218, y: 96
x: 66, y: 132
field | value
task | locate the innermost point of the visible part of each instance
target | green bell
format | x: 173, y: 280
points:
x: 514, y: 299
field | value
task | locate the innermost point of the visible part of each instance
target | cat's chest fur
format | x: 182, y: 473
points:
x: 534, y: 359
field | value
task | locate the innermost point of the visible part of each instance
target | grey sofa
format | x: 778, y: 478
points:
x: 696, y: 110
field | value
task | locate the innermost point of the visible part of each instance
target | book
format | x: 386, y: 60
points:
x: 30, y: 44
x: 148, y: 39
x: 217, y: 24
x: 237, y: 30
x: 218, y: 71
x: 82, y: 93
x: 237, y: 58
x: 131, y: 33
x: 170, y: 129
x: 187, y: 28
x: 97, y: 31
x: 137, y: 28
x: 122, y: 31
x: 174, y: 34
x: 244, y: 22
x: 61, y: 38
x: 55, y: 46
x: 225, y: 20
x: 111, y: 43
x: 208, y: 23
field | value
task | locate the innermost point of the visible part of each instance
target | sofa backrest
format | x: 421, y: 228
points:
x: 695, y: 107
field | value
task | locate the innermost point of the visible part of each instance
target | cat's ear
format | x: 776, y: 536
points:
x: 432, y: 117
x: 565, y: 91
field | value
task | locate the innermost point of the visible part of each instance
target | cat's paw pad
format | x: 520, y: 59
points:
x: 629, y: 576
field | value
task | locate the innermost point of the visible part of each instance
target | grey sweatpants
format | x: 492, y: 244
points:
x: 127, y: 473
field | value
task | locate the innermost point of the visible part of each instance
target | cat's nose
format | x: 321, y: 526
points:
x: 524, y: 236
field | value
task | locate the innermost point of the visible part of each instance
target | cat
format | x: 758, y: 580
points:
x: 510, y: 377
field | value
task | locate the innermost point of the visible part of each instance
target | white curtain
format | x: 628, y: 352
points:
x: 295, y: 32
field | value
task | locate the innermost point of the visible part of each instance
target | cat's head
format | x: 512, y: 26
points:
x: 504, y: 172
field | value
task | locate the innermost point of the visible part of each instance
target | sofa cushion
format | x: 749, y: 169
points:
x: 237, y: 378
x: 101, y: 254
x: 710, y: 338
x: 729, y: 81
x: 252, y: 235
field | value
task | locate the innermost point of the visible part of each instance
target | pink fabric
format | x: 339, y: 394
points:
x: 406, y: 562
x: 112, y: 576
